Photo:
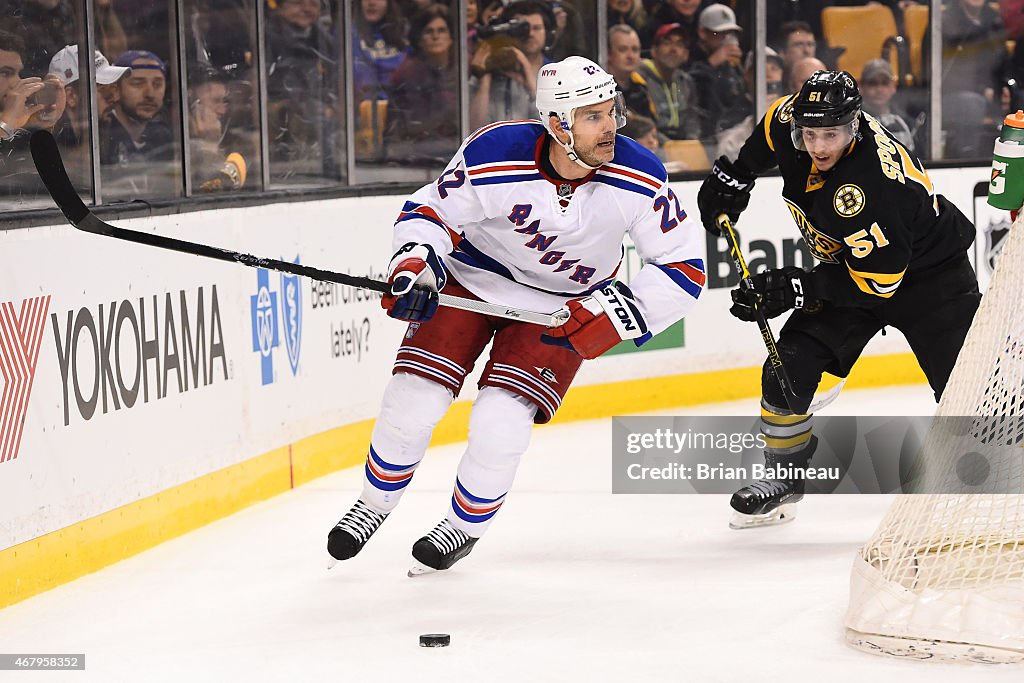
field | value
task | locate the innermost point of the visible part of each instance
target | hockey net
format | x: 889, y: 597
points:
x: 943, y: 575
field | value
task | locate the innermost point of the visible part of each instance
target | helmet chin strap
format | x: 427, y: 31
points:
x: 570, y: 149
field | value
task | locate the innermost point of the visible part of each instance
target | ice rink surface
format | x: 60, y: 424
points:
x: 571, y: 583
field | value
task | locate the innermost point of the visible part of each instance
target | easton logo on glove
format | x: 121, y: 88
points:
x: 600, y: 321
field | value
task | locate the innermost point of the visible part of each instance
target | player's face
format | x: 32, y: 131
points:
x: 593, y: 130
x: 624, y: 52
x: 826, y: 145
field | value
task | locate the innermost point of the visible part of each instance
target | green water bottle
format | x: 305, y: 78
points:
x: 1006, y: 187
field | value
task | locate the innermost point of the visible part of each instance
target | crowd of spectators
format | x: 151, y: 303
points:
x: 685, y: 67
x: 694, y: 65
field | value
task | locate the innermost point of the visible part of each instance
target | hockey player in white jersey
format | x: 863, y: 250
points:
x: 529, y: 214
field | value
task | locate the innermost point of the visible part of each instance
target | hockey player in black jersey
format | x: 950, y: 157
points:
x: 890, y: 251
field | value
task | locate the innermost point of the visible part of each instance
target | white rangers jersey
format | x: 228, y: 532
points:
x: 514, y: 236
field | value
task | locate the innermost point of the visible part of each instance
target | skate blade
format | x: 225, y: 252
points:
x: 419, y: 569
x: 780, y: 515
x: 331, y: 561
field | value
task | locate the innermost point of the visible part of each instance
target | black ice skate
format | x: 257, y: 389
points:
x: 769, y: 502
x: 440, y: 549
x: 350, y: 534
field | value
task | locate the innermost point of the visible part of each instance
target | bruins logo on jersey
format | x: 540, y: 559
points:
x: 821, y: 246
x: 786, y: 112
x: 849, y: 201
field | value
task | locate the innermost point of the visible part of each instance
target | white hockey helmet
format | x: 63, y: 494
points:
x: 563, y: 87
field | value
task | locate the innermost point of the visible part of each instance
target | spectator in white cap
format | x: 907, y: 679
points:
x: 64, y: 65
x: 878, y: 87
x: 715, y: 67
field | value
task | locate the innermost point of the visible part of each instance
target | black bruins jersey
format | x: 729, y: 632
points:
x: 874, y: 217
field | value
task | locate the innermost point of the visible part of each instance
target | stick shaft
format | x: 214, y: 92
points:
x: 778, y: 369
x: 51, y: 169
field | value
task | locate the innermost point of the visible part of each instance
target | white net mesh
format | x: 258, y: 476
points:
x: 943, y: 576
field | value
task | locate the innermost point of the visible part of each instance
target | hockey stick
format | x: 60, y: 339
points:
x: 51, y: 169
x: 778, y: 369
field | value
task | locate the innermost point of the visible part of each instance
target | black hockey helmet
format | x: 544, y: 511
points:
x: 827, y: 98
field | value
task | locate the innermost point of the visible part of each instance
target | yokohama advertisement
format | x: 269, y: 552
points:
x: 125, y: 370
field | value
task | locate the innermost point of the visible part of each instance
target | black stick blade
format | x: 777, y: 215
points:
x: 51, y: 169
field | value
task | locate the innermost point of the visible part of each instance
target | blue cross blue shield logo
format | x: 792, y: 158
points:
x: 291, y: 317
x: 263, y: 309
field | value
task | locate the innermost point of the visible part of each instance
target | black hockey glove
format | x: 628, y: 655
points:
x: 725, y: 190
x: 775, y: 292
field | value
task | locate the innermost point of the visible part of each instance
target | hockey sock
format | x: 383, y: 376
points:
x: 411, y: 408
x: 499, y: 433
x: 785, y: 435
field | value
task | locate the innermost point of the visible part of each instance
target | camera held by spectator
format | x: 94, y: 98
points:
x: 25, y: 103
x: 501, y: 37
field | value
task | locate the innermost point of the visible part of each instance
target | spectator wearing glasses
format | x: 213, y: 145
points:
x: 796, y: 42
x: 423, y: 109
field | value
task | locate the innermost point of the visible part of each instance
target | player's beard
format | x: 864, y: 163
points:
x: 596, y: 155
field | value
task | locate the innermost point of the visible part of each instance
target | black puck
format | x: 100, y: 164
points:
x: 435, y: 640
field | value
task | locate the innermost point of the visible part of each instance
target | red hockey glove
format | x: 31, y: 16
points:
x: 416, y: 275
x: 599, y: 321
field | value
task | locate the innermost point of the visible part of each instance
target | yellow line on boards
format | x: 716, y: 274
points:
x: 55, y: 558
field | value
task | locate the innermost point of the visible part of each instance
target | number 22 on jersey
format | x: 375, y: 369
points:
x: 664, y: 204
